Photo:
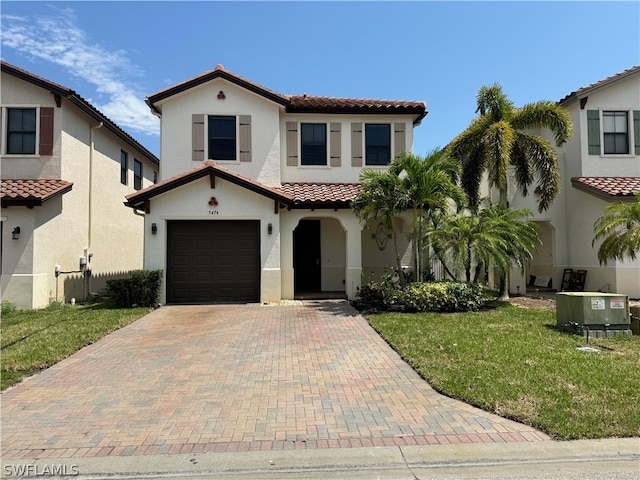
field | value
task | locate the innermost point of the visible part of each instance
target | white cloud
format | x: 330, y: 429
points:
x: 57, y: 39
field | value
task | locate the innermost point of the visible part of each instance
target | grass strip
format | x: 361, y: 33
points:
x: 514, y: 362
x: 32, y: 340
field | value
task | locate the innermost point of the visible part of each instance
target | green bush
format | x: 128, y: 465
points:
x: 421, y: 296
x: 8, y: 307
x: 440, y: 297
x: 142, y: 289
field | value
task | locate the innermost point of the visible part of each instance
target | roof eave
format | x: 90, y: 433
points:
x: 599, y: 194
x: 31, y: 202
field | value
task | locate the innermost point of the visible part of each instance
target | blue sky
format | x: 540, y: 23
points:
x: 115, y: 54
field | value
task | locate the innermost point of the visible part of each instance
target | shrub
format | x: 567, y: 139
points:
x: 440, y: 297
x: 422, y: 296
x: 8, y: 307
x: 142, y: 289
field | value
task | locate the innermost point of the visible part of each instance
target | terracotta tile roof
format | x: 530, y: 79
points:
x: 294, y: 195
x: 609, y: 188
x: 311, y: 104
x: 296, y: 103
x: 316, y: 194
x: 78, y: 101
x: 31, y: 193
x: 136, y: 199
x: 584, y: 90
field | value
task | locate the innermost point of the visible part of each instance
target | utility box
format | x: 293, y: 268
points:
x: 600, y: 315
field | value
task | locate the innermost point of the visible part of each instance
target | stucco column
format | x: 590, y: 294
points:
x: 353, y: 271
x: 288, y: 223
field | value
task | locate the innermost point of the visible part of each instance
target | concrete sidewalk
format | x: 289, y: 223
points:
x: 587, y: 459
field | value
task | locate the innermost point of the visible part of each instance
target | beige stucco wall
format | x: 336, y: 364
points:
x: 176, y: 129
x: 191, y: 202
x: 574, y: 212
x: 63, y: 229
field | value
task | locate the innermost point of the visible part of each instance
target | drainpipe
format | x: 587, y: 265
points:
x: 89, y: 253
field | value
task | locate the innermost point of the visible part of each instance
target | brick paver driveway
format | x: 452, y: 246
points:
x: 190, y: 379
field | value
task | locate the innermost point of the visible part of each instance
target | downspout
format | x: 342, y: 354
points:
x: 89, y: 253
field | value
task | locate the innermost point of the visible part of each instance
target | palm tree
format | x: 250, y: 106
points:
x: 422, y: 184
x: 495, y: 140
x: 620, y: 228
x: 429, y: 185
x: 381, y: 198
x: 495, y: 237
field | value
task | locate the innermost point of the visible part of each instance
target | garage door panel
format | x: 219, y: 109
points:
x: 213, y: 261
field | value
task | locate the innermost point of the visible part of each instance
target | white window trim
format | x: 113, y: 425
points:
x: 630, y: 132
x: 5, y: 126
x: 327, y: 165
x: 206, y: 137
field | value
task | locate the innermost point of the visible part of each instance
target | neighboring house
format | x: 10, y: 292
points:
x: 65, y: 170
x: 600, y: 165
x: 254, y: 204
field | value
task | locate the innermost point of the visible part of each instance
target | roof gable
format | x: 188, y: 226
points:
x: 60, y: 91
x: 297, y: 103
x: 581, y: 92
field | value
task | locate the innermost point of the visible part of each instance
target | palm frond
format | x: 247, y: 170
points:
x: 545, y: 114
x: 538, y: 154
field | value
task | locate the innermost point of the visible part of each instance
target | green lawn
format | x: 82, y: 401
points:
x: 514, y: 362
x: 36, y: 339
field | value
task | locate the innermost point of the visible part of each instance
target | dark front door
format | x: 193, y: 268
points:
x: 215, y: 261
x: 306, y: 256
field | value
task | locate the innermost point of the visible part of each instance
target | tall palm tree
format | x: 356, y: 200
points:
x: 429, y: 185
x: 620, y: 228
x: 496, y: 139
x: 495, y: 237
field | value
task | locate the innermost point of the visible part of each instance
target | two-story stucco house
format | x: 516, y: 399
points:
x: 254, y: 204
x: 599, y: 165
x: 65, y: 169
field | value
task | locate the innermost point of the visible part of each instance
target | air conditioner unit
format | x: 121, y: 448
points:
x: 600, y: 314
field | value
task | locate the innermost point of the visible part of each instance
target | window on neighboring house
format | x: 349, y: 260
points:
x: 615, y: 132
x: 377, y: 143
x: 137, y: 174
x: 314, y: 144
x: 222, y: 137
x: 124, y: 167
x: 21, y: 131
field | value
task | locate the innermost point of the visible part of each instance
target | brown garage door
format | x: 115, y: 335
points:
x: 214, y: 261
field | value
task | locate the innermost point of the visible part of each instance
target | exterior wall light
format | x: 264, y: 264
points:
x: 15, y: 234
x: 270, y: 228
x: 154, y: 228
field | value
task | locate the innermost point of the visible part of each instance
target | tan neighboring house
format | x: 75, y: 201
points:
x: 254, y: 204
x: 600, y: 165
x: 65, y: 169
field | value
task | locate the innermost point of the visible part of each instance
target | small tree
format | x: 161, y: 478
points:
x: 620, y: 229
x: 495, y: 237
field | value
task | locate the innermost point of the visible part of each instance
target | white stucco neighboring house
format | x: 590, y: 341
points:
x: 65, y: 169
x: 599, y: 165
x: 254, y: 203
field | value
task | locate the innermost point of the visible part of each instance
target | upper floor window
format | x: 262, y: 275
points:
x: 314, y: 144
x: 124, y: 167
x: 21, y: 131
x: 377, y: 137
x: 137, y: 174
x: 615, y: 131
x: 222, y: 137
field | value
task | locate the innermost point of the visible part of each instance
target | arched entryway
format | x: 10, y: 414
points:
x: 319, y: 258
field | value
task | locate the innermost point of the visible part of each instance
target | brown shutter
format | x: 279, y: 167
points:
x: 46, y: 131
x: 245, y: 138
x: 197, y: 137
x: 356, y: 144
x: 292, y: 144
x: 335, y: 146
x: 399, y: 139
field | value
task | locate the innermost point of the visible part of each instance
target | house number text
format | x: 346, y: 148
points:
x: 214, y: 212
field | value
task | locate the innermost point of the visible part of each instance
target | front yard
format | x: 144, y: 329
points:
x: 33, y: 340
x: 514, y: 362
